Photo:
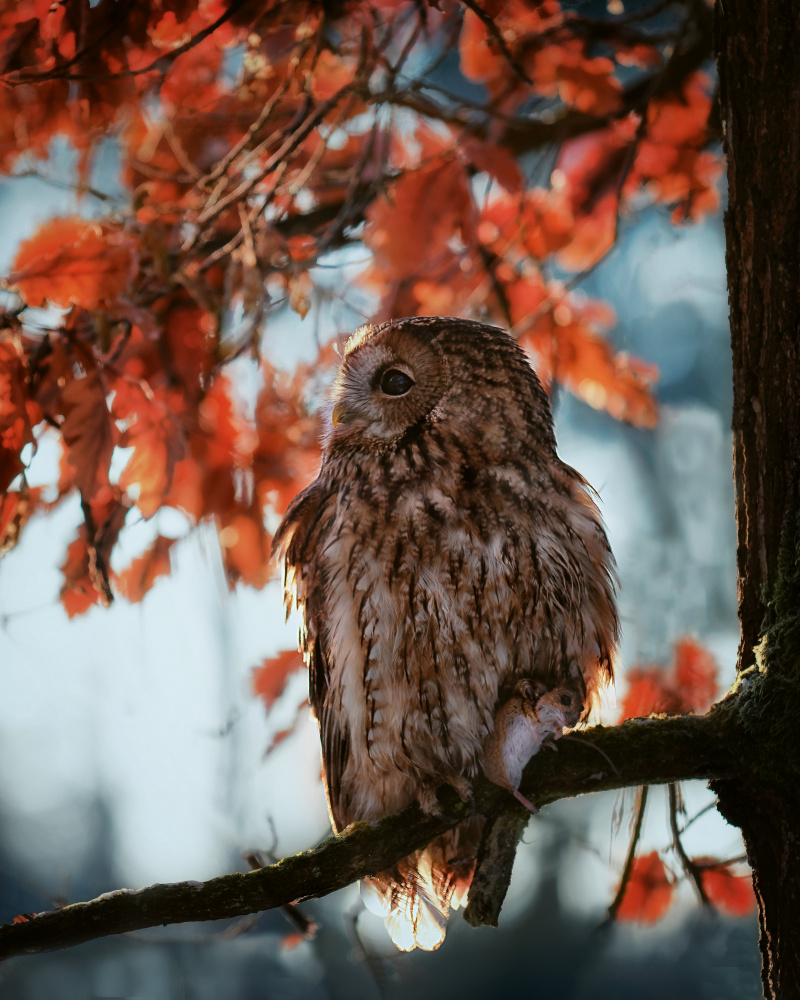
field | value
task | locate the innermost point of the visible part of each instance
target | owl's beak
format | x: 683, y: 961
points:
x: 340, y: 414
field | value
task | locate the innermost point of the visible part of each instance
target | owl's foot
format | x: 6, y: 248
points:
x: 462, y: 786
x: 526, y: 802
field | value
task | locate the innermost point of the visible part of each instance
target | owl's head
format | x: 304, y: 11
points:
x: 391, y: 378
x: 465, y: 375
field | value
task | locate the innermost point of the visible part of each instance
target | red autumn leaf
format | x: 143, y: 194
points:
x: 157, y: 443
x: 647, y: 695
x: 190, y: 333
x: 70, y: 260
x: 493, y: 160
x: 135, y: 581
x: 331, y: 74
x: 17, y: 413
x: 562, y: 333
x: 84, y: 583
x: 479, y: 63
x: 583, y: 83
x: 301, y: 247
x: 649, y: 892
x: 246, y: 547
x: 287, y: 454
x: 695, y: 675
x: 690, y: 685
x: 730, y: 892
x: 425, y: 209
x: 88, y: 431
x: 15, y: 509
x: 592, y: 235
x: 539, y: 224
x: 79, y: 592
x: 269, y: 680
x: 291, y: 940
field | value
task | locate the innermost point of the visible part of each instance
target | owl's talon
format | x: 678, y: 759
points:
x: 526, y: 802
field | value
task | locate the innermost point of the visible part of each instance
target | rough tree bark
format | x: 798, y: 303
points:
x: 757, y: 44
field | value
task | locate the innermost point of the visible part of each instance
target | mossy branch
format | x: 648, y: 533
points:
x: 644, y: 751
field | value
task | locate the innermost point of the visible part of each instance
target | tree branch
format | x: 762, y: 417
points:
x: 644, y: 751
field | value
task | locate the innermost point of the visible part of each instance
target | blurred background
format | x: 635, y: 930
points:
x: 133, y: 749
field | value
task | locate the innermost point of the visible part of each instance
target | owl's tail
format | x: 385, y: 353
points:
x: 416, y: 896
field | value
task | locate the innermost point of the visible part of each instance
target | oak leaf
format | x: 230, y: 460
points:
x: 425, y: 209
x: 157, y: 441
x: 730, y: 892
x: 88, y: 432
x: 246, y: 547
x: 15, y: 509
x: 331, y: 73
x: 269, y: 680
x: 17, y: 412
x: 71, y: 260
x: 135, y: 581
x: 649, y: 891
x: 690, y: 684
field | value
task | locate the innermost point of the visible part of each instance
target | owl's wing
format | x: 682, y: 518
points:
x: 298, y: 543
x: 334, y: 739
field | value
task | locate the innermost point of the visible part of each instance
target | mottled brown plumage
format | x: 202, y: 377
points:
x: 443, y: 555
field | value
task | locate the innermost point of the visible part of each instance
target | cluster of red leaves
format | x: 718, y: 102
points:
x: 690, y: 684
x: 650, y: 890
x: 250, y: 147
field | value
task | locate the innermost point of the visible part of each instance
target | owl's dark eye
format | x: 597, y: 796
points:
x: 395, y: 383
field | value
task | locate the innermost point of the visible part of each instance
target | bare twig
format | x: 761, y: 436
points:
x: 691, y: 869
x: 627, y: 868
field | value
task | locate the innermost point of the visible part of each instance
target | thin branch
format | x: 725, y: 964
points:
x: 689, y: 866
x: 627, y: 868
x: 647, y: 751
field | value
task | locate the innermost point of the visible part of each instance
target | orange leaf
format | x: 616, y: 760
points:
x: 83, y: 583
x: 269, y: 680
x: 331, y: 73
x: 157, y: 442
x: 592, y: 235
x: 246, y: 548
x: 427, y: 207
x: 190, y: 337
x: 88, y: 432
x: 15, y: 413
x: 78, y: 592
x: 732, y: 893
x: 135, y: 581
x: 15, y: 509
x: 70, y: 260
x: 287, y: 453
x: 647, y: 694
x: 649, y: 892
x: 479, y: 63
x: 695, y: 675
x: 690, y: 685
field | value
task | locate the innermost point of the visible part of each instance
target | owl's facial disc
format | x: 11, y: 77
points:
x: 386, y: 384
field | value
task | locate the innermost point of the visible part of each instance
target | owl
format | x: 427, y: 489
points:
x: 451, y: 571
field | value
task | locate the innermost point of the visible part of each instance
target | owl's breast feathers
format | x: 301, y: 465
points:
x: 426, y: 587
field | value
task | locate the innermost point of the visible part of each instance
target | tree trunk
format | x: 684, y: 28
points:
x: 757, y: 43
